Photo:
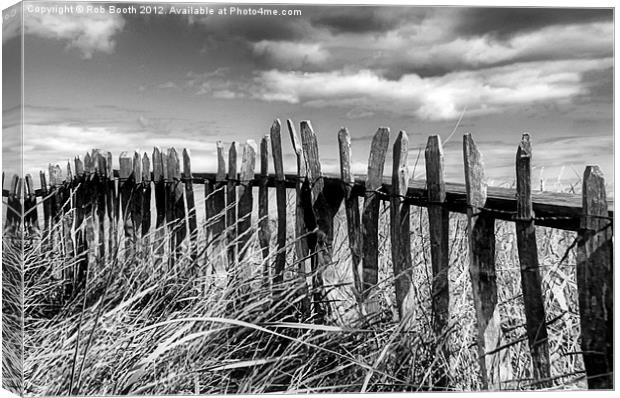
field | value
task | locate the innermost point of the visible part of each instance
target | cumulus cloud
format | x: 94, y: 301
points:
x: 286, y: 54
x: 491, y: 90
x: 88, y: 33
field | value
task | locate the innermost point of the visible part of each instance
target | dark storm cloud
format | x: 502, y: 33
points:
x: 356, y: 19
x: 505, y: 22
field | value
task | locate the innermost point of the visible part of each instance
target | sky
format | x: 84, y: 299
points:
x: 125, y: 82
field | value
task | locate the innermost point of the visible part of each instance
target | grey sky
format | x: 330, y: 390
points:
x: 125, y: 82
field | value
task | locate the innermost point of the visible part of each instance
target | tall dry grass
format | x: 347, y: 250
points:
x: 142, y: 326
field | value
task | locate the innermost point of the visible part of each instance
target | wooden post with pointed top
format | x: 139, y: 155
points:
x: 126, y: 179
x: 301, y: 241
x: 177, y: 205
x: 595, y: 282
x: 231, y: 205
x: 246, y: 175
x: 56, y: 181
x: 146, y: 199
x: 319, y: 212
x: 160, y: 203
x: 276, y: 151
x: 264, y: 231
x: 400, y: 229
x: 191, y: 204
x: 370, y: 215
x: 136, y: 199
x: 481, y: 231
x: 352, y: 209
x: 438, y: 225
x: 530, y: 274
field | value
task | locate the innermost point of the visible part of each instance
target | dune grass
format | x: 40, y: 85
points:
x: 145, y: 326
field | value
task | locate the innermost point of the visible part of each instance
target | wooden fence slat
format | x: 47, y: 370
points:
x: 400, y: 228
x: 216, y: 197
x: 146, y: 194
x: 102, y: 191
x: 246, y: 175
x: 264, y: 231
x: 47, y: 206
x: 352, y: 209
x: 56, y: 182
x: 276, y: 151
x: 231, y: 205
x: 126, y: 189
x: 438, y: 225
x: 320, y: 207
x: 81, y: 249
x: 370, y: 214
x: 31, y: 217
x: 136, y: 198
x: 159, y: 186
x: 301, y: 242
x: 531, y: 280
x: 191, y: 204
x: 14, y: 207
x: 481, y: 232
x: 595, y: 282
x: 177, y: 206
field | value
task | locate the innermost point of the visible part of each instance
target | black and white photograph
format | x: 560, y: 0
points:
x: 209, y: 198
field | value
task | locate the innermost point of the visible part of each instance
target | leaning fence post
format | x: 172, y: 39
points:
x: 14, y: 207
x: 352, y: 210
x: 264, y: 232
x: 276, y: 151
x: 301, y: 242
x: 400, y: 228
x: 231, y: 205
x: 530, y: 274
x: 191, y: 205
x: 370, y: 215
x: 438, y: 225
x: 595, y: 282
x: 481, y: 231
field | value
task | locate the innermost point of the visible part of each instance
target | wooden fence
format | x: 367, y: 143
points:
x: 96, y: 193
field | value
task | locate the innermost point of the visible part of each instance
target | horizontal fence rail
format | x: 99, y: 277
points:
x: 92, y: 198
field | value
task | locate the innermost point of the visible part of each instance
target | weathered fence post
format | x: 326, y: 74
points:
x: 246, y: 175
x: 14, y: 208
x: 370, y: 215
x: 231, y: 205
x: 31, y: 217
x: 126, y: 179
x: 191, y: 205
x: 438, y: 226
x: 481, y: 232
x: 47, y: 210
x: 301, y: 242
x: 101, y: 184
x: 136, y: 200
x: 146, y: 201
x: 112, y: 205
x: 352, y: 210
x: 81, y: 248
x: 319, y: 211
x: 264, y: 231
x: 215, y: 198
x: 178, y: 227
x: 595, y: 282
x: 400, y: 228
x: 530, y: 274
x: 276, y: 151
x: 159, y: 185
